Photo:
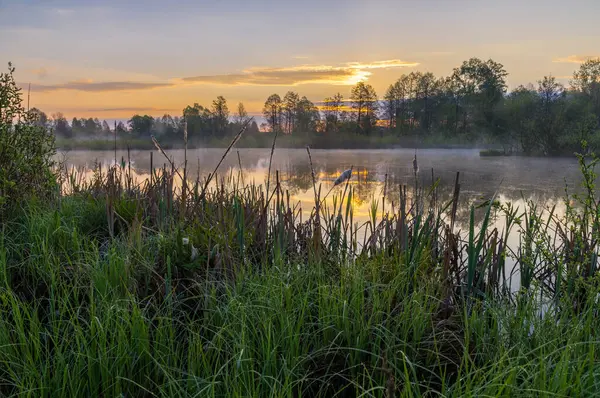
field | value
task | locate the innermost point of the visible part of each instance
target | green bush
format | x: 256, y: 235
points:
x: 26, y: 150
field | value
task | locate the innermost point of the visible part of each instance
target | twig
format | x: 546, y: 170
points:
x: 271, y: 160
x: 235, y: 139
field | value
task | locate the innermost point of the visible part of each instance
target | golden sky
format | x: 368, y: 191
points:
x: 111, y: 59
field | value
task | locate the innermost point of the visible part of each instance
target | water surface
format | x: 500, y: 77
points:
x: 514, y: 179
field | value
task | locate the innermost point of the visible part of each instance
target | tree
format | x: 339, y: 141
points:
x: 521, y: 108
x: 426, y: 92
x: 10, y: 98
x: 76, y: 127
x: 364, y: 105
x: 453, y: 103
x: 61, y: 126
x: 408, y: 90
x: 399, y: 99
x: 105, y: 128
x: 391, y: 104
x: 198, y: 121
x: 141, y: 125
x: 165, y: 126
x: 39, y: 117
x: 91, y: 126
x: 587, y: 81
x: 550, y: 117
x: 480, y: 86
x: 241, y: 116
x: 307, y: 116
x: 121, y: 129
x: 289, y: 108
x: 27, y: 150
x: 272, y: 112
x: 253, y: 128
x: 220, y: 113
x: 332, y: 110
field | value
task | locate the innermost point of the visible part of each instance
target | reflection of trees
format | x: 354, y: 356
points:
x: 297, y: 178
x: 512, y: 179
x: 363, y: 192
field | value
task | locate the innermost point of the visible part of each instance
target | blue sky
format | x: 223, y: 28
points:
x: 113, y: 58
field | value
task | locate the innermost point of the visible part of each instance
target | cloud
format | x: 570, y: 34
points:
x: 40, y: 72
x: 133, y: 109
x: 96, y: 87
x: 278, y: 77
x: 347, y: 74
x: 575, y: 59
x: 391, y: 63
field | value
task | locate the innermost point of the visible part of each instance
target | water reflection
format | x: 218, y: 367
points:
x: 513, y: 179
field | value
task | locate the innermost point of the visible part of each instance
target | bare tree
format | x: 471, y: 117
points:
x: 290, y: 104
x: 365, y: 106
x: 332, y: 110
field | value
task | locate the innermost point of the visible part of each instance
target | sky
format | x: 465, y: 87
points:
x: 111, y: 59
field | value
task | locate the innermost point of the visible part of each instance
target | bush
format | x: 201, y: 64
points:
x: 26, y: 150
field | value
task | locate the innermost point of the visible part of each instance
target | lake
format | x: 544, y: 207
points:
x: 513, y: 179
x: 517, y: 180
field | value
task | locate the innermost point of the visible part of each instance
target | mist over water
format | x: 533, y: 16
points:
x: 515, y: 180
x: 510, y: 178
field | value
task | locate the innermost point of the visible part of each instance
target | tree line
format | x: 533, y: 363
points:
x: 214, y: 122
x: 471, y: 104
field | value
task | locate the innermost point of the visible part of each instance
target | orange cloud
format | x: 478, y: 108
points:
x: 90, y: 86
x: 575, y: 59
x: 134, y: 109
x: 346, y: 74
x: 279, y: 76
x: 391, y: 63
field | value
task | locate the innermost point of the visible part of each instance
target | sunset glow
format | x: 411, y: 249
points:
x: 91, y: 59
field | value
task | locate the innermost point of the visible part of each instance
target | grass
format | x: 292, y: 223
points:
x: 101, y: 295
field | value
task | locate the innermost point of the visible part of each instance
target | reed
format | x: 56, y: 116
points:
x: 108, y: 292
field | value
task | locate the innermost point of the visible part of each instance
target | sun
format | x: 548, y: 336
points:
x: 358, y: 76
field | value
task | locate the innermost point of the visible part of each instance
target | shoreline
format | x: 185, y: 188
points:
x: 140, y: 145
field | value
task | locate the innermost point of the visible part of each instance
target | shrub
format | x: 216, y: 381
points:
x: 26, y: 150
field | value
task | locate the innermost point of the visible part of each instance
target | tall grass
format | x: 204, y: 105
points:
x: 226, y: 289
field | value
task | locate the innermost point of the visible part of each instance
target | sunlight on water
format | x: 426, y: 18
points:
x: 377, y: 178
x: 512, y: 179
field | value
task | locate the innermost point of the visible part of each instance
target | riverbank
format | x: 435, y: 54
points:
x: 116, y: 289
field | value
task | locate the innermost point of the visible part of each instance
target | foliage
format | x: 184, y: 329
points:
x: 140, y: 125
x: 26, y: 149
x: 272, y: 111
